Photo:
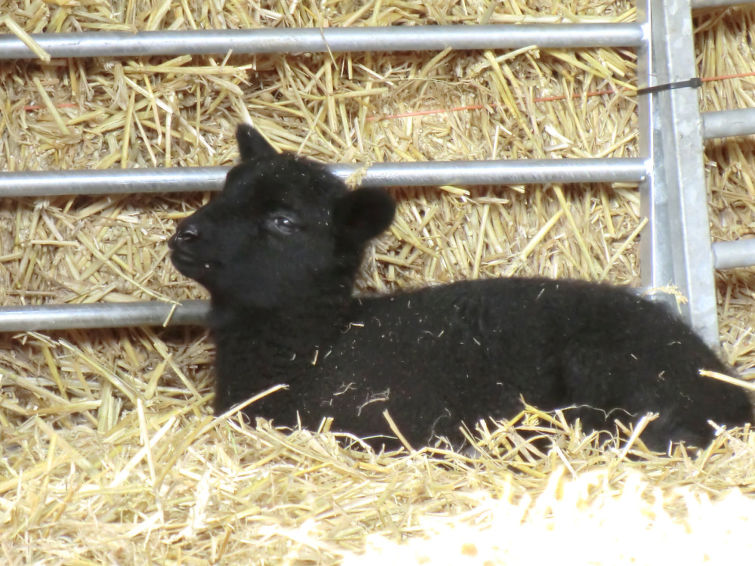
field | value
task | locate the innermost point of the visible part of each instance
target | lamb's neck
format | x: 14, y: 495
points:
x: 295, y: 331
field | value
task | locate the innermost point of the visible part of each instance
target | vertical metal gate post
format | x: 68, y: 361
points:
x: 675, y: 247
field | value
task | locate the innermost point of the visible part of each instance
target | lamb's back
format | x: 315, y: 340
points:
x: 463, y: 352
x: 466, y: 351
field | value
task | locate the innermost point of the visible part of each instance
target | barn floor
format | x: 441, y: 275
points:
x: 108, y: 450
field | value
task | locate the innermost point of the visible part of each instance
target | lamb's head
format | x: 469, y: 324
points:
x: 282, y: 230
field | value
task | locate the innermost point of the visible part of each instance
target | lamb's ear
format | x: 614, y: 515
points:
x: 363, y: 214
x: 252, y: 144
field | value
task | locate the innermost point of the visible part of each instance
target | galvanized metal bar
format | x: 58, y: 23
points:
x: 494, y: 172
x: 729, y: 123
x: 17, y: 184
x: 675, y: 247
x: 737, y: 253
x: 105, y: 315
x: 101, y: 315
x: 322, y: 40
x: 663, y: 206
x: 154, y: 313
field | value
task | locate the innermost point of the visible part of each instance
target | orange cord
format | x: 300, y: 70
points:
x: 538, y: 99
x: 554, y: 98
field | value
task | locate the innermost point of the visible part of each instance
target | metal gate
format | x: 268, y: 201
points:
x: 676, y: 246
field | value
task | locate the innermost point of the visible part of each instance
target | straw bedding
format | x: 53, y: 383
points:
x: 109, y: 452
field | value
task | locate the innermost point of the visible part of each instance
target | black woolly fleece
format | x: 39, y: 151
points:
x: 278, y: 250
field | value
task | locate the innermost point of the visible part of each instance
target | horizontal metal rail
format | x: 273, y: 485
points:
x: 281, y: 40
x: 183, y: 179
x: 737, y: 253
x: 323, y: 40
x: 729, y: 123
x: 111, y: 181
x: 165, y: 180
x: 28, y: 318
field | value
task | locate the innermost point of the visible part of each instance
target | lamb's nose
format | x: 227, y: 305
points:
x: 184, y: 233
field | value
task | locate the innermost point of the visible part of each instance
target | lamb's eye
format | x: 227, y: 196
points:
x: 283, y: 224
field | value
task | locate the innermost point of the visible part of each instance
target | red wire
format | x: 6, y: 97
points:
x: 554, y: 98
x: 538, y: 99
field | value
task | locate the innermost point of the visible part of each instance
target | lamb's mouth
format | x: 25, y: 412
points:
x: 190, y: 265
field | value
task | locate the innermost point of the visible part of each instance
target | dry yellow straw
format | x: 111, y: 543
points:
x: 51, y: 107
x: 107, y: 435
x: 397, y: 432
x: 728, y: 379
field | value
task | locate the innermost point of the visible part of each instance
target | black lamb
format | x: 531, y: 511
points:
x: 278, y: 250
